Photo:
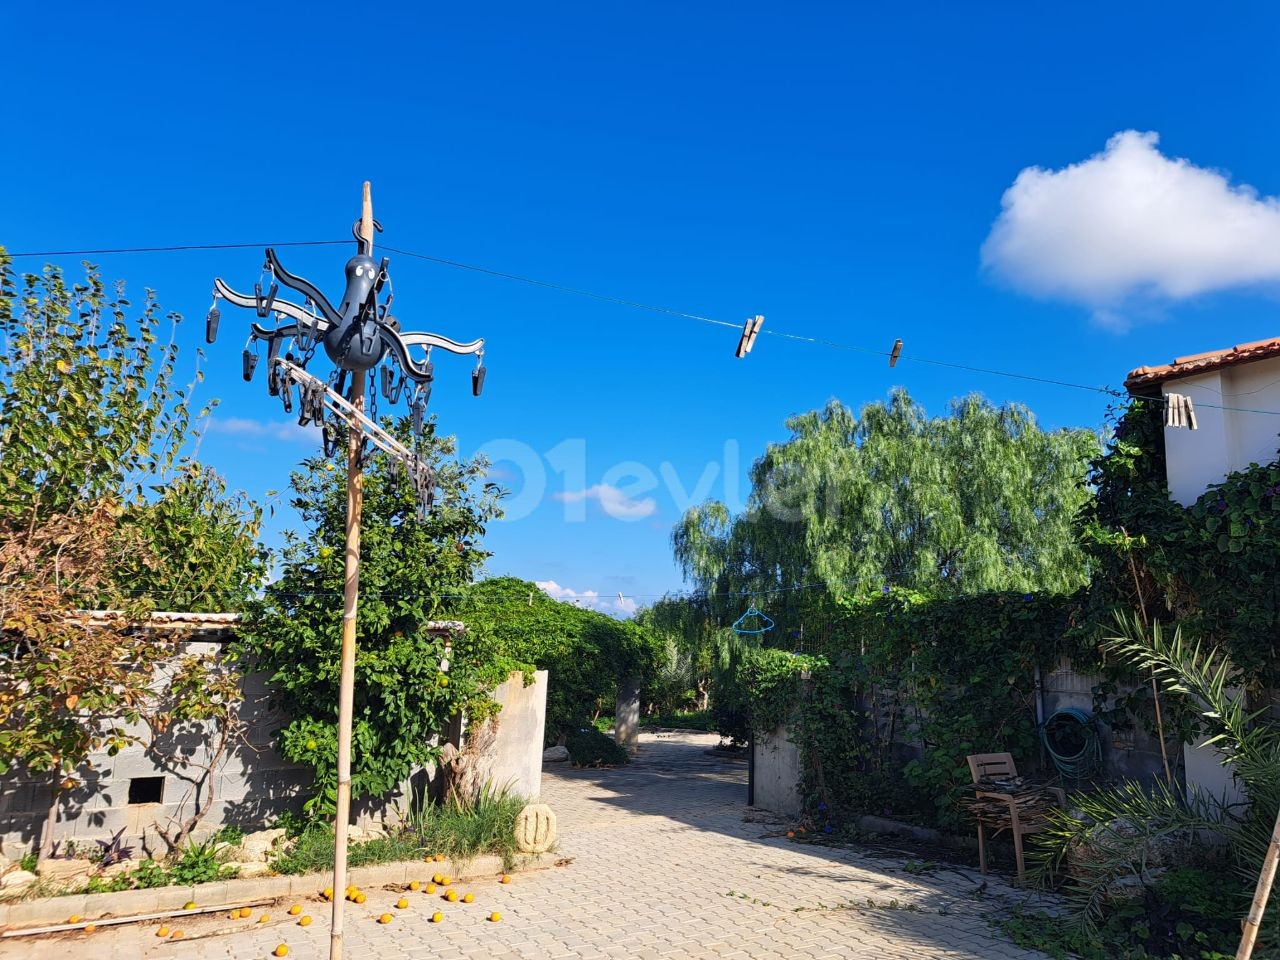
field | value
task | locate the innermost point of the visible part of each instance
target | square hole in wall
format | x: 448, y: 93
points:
x: 146, y: 789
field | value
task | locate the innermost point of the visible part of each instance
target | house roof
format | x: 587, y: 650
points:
x: 1202, y: 363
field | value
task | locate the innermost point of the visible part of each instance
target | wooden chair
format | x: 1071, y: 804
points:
x: 1018, y: 812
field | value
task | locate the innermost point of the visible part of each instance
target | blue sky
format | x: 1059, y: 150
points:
x: 833, y: 167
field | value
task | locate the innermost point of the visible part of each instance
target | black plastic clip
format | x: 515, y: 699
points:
x: 264, y: 304
x: 388, y: 379
x: 248, y: 363
x: 477, y: 381
x: 330, y: 440
x: 211, y: 323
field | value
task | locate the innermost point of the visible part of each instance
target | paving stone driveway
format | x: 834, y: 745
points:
x: 667, y: 862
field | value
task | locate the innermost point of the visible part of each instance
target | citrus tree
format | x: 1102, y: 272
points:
x: 413, y: 570
x: 99, y: 509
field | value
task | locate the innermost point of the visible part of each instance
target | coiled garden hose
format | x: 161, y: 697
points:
x: 1071, y: 738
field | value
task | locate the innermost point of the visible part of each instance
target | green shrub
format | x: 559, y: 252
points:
x: 591, y: 748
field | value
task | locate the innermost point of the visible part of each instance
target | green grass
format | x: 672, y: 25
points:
x: 459, y: 831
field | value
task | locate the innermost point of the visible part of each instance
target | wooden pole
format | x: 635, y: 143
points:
x: 1260, y: 895
x: 350, y: 599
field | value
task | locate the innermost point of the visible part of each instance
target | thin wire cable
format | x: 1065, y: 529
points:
x: 605, y: 298
x: 184, y: 247
x: 639, y: 305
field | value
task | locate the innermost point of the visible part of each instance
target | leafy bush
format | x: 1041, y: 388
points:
x: 202, y: 863
x: 682, y: 720
x: 584, y: 651
x: 409, y: 567
x: 589, y: 747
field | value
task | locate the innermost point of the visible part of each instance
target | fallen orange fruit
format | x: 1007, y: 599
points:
x: 385, y: 918
x: 495, y: 917
x: 177, y: 935
x: 414, y: 885
x: 304, y: 920
x: 295, y: 910
x: 431, y: 888
x: 282, y: 950
x: 506, y: 878
x: 468, y: 898
x: 361, y: 898
x: 162, y: 932
x: 437, y: 917
x: 401, y: 903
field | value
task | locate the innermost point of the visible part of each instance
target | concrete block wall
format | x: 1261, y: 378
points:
x: 516, y: 762
x: 251, y: 786
x: 777, y: 772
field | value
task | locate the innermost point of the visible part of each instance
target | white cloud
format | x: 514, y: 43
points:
x: 1130, y: 223
x: 612, y: 500
x: 288, y: 432
x: 590, y: 599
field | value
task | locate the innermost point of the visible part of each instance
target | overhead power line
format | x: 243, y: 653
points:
x: 902, y: 357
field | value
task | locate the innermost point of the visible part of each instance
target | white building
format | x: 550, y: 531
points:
x: 1230, y: 390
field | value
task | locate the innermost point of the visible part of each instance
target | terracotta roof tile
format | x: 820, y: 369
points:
x: 1202, y: 363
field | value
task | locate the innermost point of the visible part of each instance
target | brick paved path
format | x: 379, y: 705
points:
x: 667, y: 862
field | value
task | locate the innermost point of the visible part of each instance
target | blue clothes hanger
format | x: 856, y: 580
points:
x: 752, y: 612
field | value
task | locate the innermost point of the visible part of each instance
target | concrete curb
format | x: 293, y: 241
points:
x: 91, y: 906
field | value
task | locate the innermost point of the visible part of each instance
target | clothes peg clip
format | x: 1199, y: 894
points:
x: 211, y: 322
x: 248, y: 363
x: 264, y: 304
x: 750, y: 330
x: 896, y: 352
x: 477, y: 381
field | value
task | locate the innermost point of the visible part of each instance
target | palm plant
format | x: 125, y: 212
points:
x: 1117, y: 830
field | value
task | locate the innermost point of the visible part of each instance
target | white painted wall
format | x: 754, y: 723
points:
x: 1227, y: 440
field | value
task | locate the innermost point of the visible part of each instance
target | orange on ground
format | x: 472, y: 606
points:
x: 506, y: 878
x: 282, y: 950
x: 90, y: 928
x: 304, y: 920
x: 414, y: 885
x: 401, y: 903
x: 439, y: 858
x: 328, y: 893
x: 361, y: 898
x: 436, y: 878
x: 74, y: 918
x: 468, y: 898
x: 176, y: 935
x: 385, y: 918
x: 189, y: 905
x: 437, y: 917
x: 264, y: 918
x: 452, y: 896
x: 162, y: 932
x: 295, y: 910
x: 495, y: 916
x: 431, y: 888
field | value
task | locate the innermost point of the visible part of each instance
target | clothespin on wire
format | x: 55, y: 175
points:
x: 1179, y: 412
x: 896, y: 352
x: 750, y: 330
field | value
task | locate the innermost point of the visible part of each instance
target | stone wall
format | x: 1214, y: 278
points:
x: 516, y: 750
x: 777, y: 771
x: 139, y: 788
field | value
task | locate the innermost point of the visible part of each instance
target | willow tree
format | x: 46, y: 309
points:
x: 980, y: 499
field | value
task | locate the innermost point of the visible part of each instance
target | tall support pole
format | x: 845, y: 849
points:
x: 1261, y: 894
x: 350, y: 599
